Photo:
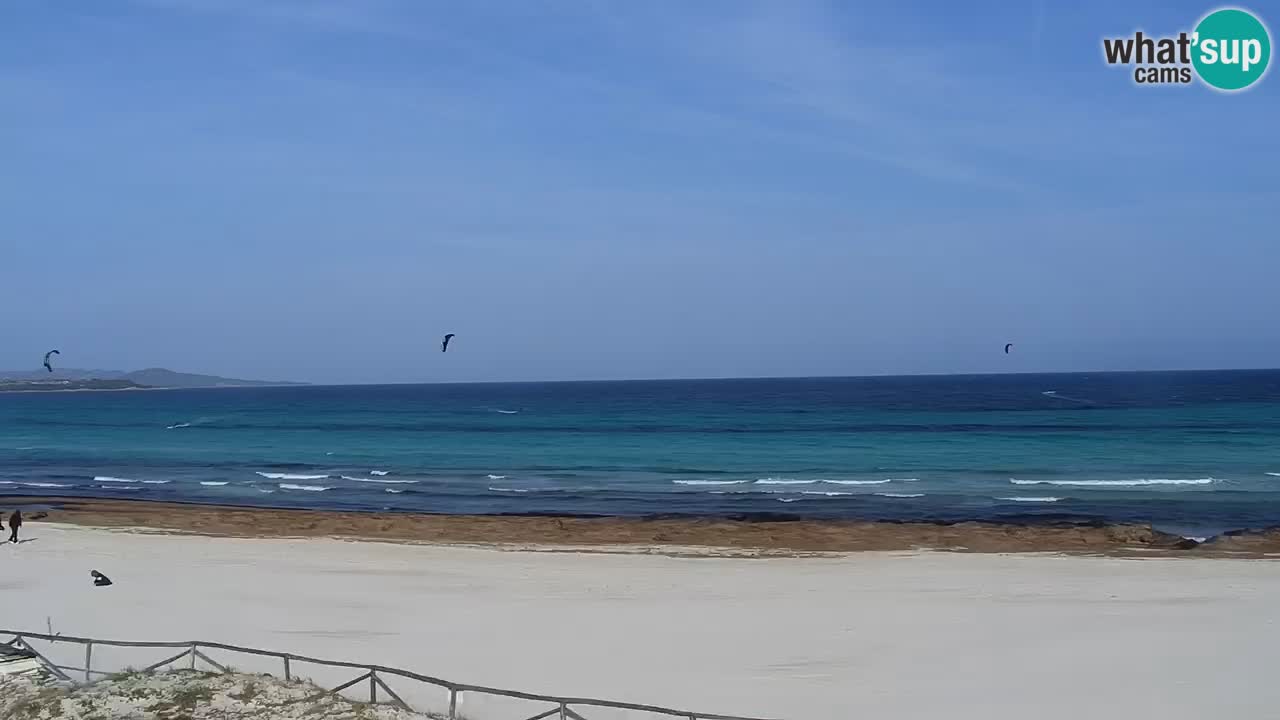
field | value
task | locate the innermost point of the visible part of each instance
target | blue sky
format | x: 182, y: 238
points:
x: 591, y: 189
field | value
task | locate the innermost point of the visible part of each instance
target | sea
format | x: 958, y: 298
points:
x: 1196, y: 453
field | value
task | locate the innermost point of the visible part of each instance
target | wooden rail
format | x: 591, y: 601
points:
x: 565, y: 708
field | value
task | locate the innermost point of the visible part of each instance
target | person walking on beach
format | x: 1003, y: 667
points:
x: 15, y: 522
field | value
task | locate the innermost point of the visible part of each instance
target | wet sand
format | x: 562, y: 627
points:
x: 668, y: 536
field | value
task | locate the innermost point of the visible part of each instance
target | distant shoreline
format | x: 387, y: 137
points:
x: 663, y: 535
x: 4, y: 390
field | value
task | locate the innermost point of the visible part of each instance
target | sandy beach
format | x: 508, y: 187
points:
x: 905, y: 635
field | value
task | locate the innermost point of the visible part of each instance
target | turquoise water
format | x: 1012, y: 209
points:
x: 1197, y: 451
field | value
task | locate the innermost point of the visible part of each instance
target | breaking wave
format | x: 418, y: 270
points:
x: 900, y: 495
x: 1045, y: 499
x: 308, y: 488
x: 290, y: 476
x: 110, y: 479
x: 378, y: 480
x: 706, y: 482
x: 1116, y: 483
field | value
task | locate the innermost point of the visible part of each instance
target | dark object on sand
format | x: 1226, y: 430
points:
x: 47, y: 366
x: 1187, y: 544
x: 1006, y: 348
x: 15, y: 522
x: 40, y: 516
x: 444, y: 345
x: 100, y: 580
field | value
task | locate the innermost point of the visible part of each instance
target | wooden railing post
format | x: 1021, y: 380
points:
x: 564, y: 712
x: 453, y: 704
x: 287, y: 676
x: 192, y: 664
x: 88, y: 660
x: 373, y: 687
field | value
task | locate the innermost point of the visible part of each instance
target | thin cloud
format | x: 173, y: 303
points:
x: 367, y: 17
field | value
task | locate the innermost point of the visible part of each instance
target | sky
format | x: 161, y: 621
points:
x: 598, y: 189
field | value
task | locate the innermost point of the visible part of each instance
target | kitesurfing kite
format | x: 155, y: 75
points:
x: 444, y: 346
x: 47, y: 366
x: 1006, y: 348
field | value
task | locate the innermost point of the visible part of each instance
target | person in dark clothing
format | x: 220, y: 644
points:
x: 99, y: 580
x: 15, y: 522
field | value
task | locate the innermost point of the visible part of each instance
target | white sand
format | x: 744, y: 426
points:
x: 927, y: 635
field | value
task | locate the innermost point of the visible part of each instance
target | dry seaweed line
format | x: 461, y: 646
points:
x: 191, y: 651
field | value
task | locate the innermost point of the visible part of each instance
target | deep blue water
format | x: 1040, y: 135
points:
x: 1190, y: 451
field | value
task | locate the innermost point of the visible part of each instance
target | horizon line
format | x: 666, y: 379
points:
x: 298, y: 383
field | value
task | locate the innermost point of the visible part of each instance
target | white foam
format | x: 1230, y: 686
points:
x: 109, y: 479
x: 787, y: 499
x: 265, y: 490
x: 179, y: 425
x: 290, y: 476
x: 497, y: 477
x: 1116, y: 483
x: 828, y: 494
x: 857, y: 482
x: 213, y: 483
x: 498, y: 489
x: 156, y: 482
x: 378, y: 480
x: 1274, y: 474
x: 903, y: 480
x: 393, y: 491
x: 1047, y: 498
x: 7, y: 482
x: 45, y: 485
x: 379, y: 472
x: 901, y: 495
x: 507, y: 412
x: 708, y: 482
x: 783, y: 481
x: 308, y: 488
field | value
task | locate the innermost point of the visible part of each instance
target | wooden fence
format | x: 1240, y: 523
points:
x: 564, y: 708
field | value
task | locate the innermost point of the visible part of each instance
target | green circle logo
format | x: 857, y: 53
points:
x: 1232, y: 49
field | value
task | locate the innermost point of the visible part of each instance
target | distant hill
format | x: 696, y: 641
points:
x: 150, y: 377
